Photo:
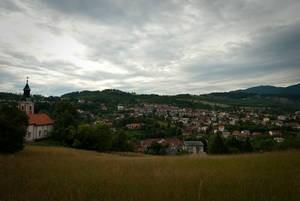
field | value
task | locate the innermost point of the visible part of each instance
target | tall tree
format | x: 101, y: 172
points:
x: 66, y: 118
x: 13, y: 127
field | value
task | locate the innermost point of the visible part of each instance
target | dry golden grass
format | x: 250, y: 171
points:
x: 61, y: 174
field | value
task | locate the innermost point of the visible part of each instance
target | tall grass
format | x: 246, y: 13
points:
x: 62, y: 174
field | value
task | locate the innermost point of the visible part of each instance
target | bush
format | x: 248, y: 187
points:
x: 93, y: 137
x: 13, y: 126
x: 157, y: 149
x: 121, y: 142
x: 216, y: 145
x: 263, y: 143
x: 236, y: 145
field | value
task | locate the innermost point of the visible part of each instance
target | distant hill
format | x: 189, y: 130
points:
x: 95, y: 94
x: 278, y: 98
x: 272, y: 90
x: 9, y: 96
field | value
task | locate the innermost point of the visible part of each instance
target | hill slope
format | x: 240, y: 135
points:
x: 271, y: 90
x: 48, y: 173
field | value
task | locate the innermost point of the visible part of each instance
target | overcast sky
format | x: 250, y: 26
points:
x: 148, y: 46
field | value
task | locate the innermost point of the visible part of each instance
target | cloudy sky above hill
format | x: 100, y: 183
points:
x: 148, y: 46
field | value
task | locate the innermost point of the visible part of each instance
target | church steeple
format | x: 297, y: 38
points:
x: 26, y: 103
x: 26, y: 90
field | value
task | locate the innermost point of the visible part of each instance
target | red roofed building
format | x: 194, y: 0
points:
x: 40, y: 125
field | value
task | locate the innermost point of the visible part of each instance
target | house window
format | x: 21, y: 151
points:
x: 22, y: 107
x: 40, y: 132
x: 28, y: 134
x: 30, y: 108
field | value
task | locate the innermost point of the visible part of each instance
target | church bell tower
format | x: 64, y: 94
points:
x: 26, y: 104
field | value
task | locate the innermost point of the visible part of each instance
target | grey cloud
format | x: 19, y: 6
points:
x: 9, y: 6
x: 114, y: 11
x: 269, y: 52
x: 164, y: 47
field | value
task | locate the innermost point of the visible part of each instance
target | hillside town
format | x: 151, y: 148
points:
x: 173, y: 129
x: 195, y: 123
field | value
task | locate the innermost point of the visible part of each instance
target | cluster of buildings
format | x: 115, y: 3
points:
x: 206, y: 121
x: 173, y: 145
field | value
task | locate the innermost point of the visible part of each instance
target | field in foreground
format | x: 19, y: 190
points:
x: 55, y: 173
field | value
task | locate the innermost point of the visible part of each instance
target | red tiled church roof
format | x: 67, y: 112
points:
x: 40, y: 119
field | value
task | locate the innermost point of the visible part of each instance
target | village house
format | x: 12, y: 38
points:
x: 226, y: 134
x: 266, y: 119
x: 221, y: 128
x: 245, y: 133
x: 236, y: 133
x: 275, y: 133
x: 134, y: 126
x: 279, y: 139
x: 278, y: 123
x: 256, y: 133
x: 40, y: 125
x: 282, y: 118
x: 120, y: 108
x: 193, y: 147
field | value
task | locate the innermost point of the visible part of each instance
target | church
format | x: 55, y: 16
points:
x: 40, y: 125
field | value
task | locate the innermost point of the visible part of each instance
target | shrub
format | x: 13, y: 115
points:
x: 216, y: 145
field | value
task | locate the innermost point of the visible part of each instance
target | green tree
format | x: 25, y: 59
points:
x: 66, y: 120
x: 13, y: 127
x: 157, y: 149
x: 233, y: 144
x: 93, y: 137
x: 263, y: 143
x: 105, y: 138
x: 216, y: 145
x: 121, y: 142
x: 86, y: 137
x: 246, y: 146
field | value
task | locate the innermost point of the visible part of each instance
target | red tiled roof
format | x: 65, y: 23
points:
x: 170, y: 141
x: 40, y: 119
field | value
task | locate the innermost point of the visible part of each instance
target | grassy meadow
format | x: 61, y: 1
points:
x: 55, y: 173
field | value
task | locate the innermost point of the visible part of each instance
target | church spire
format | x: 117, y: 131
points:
x: 26, y: 89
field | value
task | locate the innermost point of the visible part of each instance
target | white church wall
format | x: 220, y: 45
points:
x: 30, y: 133
x: 27, y: 106
x: 38, y: 132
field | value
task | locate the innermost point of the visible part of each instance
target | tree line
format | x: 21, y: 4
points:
x: 70, y: 132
